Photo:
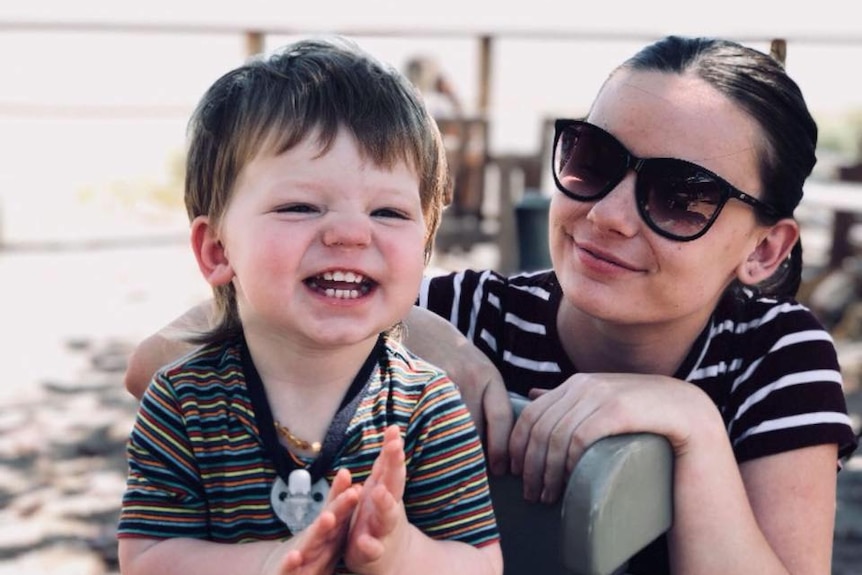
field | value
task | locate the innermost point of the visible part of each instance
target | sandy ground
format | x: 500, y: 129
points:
x: 71, y: 318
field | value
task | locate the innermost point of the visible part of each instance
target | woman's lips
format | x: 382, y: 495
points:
x: 596, y: 253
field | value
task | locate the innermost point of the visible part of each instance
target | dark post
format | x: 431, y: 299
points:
x: 531, y: 215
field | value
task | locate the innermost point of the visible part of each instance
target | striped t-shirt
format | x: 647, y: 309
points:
x: 768, y: 364
x: 198, y: 467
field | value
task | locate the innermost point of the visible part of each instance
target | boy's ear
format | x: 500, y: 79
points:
x: 773, y: 248
x: 210, y: 253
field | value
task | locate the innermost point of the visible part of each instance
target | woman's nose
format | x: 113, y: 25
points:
x: 617, y: 211
x: 347, y: 230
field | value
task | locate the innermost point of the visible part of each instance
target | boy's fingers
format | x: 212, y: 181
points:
x: 292, y: 561
x: 340, y: 483
x: 344, y: 505
x: 393, y: 472
x: 385, y: 517
x: 318, y: 531
x: 370, y: 548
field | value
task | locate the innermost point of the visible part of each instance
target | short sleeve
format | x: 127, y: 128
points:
x: 790, y: 393
x: 447, y: 494
x: 163, y: 495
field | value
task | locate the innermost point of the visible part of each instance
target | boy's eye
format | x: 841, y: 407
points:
x: 296, y: 209
x: 389, y: 213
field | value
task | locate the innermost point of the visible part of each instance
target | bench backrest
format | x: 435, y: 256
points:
x: 618, y: 499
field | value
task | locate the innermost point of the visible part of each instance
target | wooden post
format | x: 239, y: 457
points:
x: 484, y: 96
x: 254, y: 42
x: 507, y: 236
x: 778, y: 50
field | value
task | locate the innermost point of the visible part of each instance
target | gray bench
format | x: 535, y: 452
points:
x: 618, y: 499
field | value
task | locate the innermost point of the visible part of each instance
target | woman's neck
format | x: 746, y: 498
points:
x: 597, y: 345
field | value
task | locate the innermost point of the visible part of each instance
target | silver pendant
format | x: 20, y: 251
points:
x: 298, y: 503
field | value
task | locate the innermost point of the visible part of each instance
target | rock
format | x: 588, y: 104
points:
x: 57, y: 560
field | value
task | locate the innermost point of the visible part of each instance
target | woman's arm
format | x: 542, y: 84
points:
x: 163, y: 347
x: 427, y: 335
x: 773, y: 514
x: 770, y: 515
x: 437, y: 341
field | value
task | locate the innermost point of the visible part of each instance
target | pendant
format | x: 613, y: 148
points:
x: 298, y: 503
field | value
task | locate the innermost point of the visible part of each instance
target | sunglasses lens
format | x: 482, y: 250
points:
x: 677, y: 198
x: 587, y: 161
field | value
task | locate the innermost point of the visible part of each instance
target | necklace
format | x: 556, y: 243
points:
x: 295, y: 441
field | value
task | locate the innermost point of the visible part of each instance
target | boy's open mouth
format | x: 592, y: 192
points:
x: 341, y: 284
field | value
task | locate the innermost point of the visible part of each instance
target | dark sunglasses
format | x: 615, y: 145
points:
x: 677, y: 199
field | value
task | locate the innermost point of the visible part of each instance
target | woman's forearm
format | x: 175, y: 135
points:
x: 482, y: 388
x: 163, y: 347
x: 725, y: 524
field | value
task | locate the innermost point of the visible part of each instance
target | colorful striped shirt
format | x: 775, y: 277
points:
x: 199, y: 468
x: 768, y: 364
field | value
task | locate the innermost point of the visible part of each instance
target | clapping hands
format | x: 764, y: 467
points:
x: 364, y: 524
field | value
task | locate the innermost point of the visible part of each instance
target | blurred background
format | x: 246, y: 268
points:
x: 94, y: 99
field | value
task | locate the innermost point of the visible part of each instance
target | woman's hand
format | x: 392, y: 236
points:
x: 437, y: 341
x: 553, y: 432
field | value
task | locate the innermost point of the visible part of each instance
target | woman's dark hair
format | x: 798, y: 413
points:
x: 758, y: 84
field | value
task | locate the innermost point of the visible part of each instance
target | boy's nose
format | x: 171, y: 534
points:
x: 348, y: 230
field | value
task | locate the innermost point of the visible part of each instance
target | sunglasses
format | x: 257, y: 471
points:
x: 677, y: 199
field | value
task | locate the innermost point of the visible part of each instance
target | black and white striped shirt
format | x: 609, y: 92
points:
x: 769, y: 365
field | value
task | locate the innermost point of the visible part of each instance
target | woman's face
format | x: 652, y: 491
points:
x: 610, y: 264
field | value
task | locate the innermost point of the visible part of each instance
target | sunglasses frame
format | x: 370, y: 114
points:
x: 637, y: 164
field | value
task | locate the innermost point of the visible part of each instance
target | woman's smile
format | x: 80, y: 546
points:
x: 601, y: 259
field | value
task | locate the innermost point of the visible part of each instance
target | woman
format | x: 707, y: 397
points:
x: 669, y: 310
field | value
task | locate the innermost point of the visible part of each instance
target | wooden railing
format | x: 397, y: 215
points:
x: 515, y: 171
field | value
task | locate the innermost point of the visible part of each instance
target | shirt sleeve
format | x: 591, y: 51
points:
x: 447, y: 494
x: 790, y: 395
x: 163, y: 496
x: 473, y: 302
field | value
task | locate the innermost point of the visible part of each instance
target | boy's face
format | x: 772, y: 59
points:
x: 323, y: 250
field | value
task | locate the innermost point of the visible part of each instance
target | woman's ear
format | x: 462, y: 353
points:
x: 773, y: 248
x: 210, y: 253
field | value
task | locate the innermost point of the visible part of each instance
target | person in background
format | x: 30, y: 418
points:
x: 301, y: 436
x: 437, y: 90
x: 670, y: 309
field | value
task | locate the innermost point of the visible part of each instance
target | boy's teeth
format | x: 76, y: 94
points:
x: 342, y: 276
x: 342, y: 293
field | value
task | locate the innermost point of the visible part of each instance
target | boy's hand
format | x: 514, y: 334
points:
x: 317, y: 549
x: 379, y: 533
